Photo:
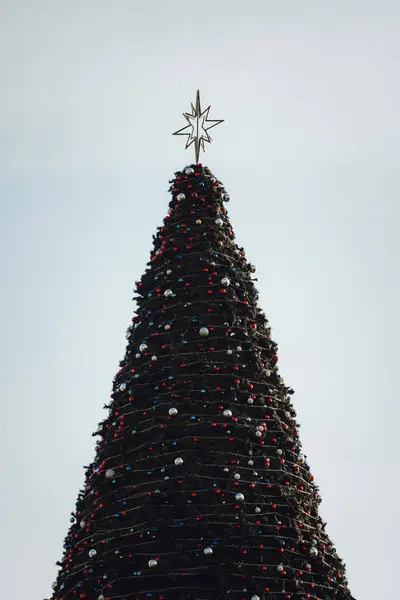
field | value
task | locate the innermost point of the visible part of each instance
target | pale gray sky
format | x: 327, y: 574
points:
x: 91, y: 91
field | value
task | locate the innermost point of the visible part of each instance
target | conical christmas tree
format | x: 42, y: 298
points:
x: 199, y: 489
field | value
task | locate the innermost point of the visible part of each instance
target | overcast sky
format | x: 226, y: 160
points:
x: 91, y: 91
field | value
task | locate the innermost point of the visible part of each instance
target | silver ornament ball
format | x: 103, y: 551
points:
x: 122, y: 387
x: 110, y: 473
x: 204, y: 332
x: 92, y: 553
x: 152, y: 562
x: 219, y: 222
x: 178, y: 461
x: 226, y: 197
x: 227, y: 413
x: 168, y: 293
x: 313, y: 551
x: 225, y: 281
x: 180, y: 197
x: 208, y: 550
x: 239, y: 496
x: 189, y: 171
x: 143, y: 347
x: 172, y: 412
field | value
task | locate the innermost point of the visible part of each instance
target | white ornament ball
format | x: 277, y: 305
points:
x: 287, y: 414
x: 239, y: 497
x: 219, y: 222
x: 229, y: 351
x: 167, y: 327
x: 92, y: 553
x: 152, y: 562
x: 313, y: 551
x: 138, y: 355
x: 101, y: 597
x: 143, y: 347
x: 301, y: 458
x: 237, y: 475
x: 239, y: 349
x: 279, y: 452
x: 122, y: 387
x: 169, y: 271
x: 308, y: 566
x: 154, y: 358
x: 180, y: 197
x: 260, y: 428
x: 257, y: 509
x: 189, y: 171
x: 168, y: 293
x: 250, y: 401
x: 225, y: 281
x: 258, y: 434
x: 178, y: 461
x: 198, y: 221
x: 172, y: 412
x: 227, y: 413
x: 255, y: 597
x: 208, y: 551
x: 279, y: 568
x: 110, y: 473
x: 204, y: 332
x: 250, y: 462
x: 226, y: 197
x: 82, y: 524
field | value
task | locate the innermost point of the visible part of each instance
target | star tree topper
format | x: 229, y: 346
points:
x: 197, y: 130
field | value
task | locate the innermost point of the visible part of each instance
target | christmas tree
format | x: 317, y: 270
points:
x: 199, y: 489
